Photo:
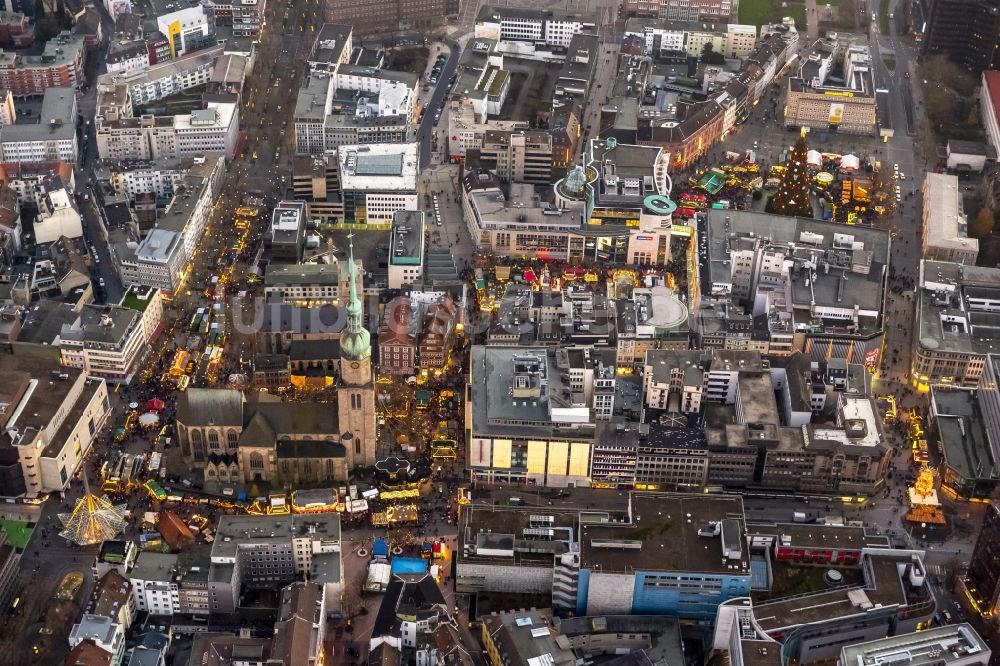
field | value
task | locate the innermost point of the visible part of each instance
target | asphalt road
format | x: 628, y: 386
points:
x: 425, y: 133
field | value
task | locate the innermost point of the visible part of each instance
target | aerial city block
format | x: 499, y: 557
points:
x: 499, y: 333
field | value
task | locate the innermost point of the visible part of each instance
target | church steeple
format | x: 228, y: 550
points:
x: 355, y: 343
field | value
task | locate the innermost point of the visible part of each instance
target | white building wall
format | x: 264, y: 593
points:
x: 991, y: 124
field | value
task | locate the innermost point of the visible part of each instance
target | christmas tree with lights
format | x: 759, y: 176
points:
x: 792, y: 197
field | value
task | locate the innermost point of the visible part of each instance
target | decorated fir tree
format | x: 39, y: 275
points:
x: 792, y: 197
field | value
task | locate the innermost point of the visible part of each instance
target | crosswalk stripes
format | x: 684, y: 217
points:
x: 934, y: 569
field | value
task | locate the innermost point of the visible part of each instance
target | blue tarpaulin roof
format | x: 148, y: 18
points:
x: 409, y: 565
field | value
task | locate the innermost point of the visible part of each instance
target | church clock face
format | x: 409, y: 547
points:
x: 355, y: 365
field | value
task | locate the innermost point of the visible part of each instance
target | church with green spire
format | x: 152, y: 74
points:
x: 355, y: 384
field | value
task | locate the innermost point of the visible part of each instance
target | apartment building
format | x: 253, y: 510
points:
x: 308, y: 285
x: 343, y: 104
x: 681, y: 10
x: 755, y: 268
x: 271, y: 551
x: 531, y: 32
x: 661, y: 37
x: 120, y: 136
x: 946, y: 226
x: 58, y: 216
x: 619, y: 217
x: 406, y: 253
x: 29, y: 179
x: 373, y: 17
x: 53, y: 138
x: 134, y: 178
x: 981, y: 580
x: 650, y: 318
x: 188, y: 29
x: 154, y: 583
x: 518, y: 156
x: 955, y: 305
x: 377, y: 180
x: 60, y: 65
x: 946, y: 30
x: 56, y: 411
x: 106, y: 634
x: 153, y: 83
x: 846, y: 106
x: 970, y: 457
x: 107, y: 342
x: 161, y: 258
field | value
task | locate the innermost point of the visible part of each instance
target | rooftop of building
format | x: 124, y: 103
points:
x: 756, y: 395
x: 312, y: 96
x: 102, y: 325
x: 973, y: 148
x: 651, y: 311
x: 885, y: 586
x: 215, y: 115
x: 229, y: 68
x: 664, y: 632
x: 517, y: 204
x: 847, y: 262
x: 234, y: 531
x: 159, y: 246
x: 153, y: 566
x: 95, y: 627
x: 954, y: 311
x: 532, y: 400
x: 209, y: 649
x: 44, y: 321
x: 528, y: 637
x: 945, y: 222
x: 937, y: 646
x: 186, y: 200
x: 138, y: 297
x: 289, y: 318
x: 640, y: 24
x: 143, y: 76
x: 283, y: 275
x: 524, y: 537
x: 802, y: 535
x: 56, y: 119
x: 408, y: 79
x: 379, y: 167
x: 331, y: 41
x: 65, y: 48
x: 407, y: 242
x: 48, y: 385
x: 206, y: 406
x: 962, y: 435
x: 494, y: 13
x: 670, y: 532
